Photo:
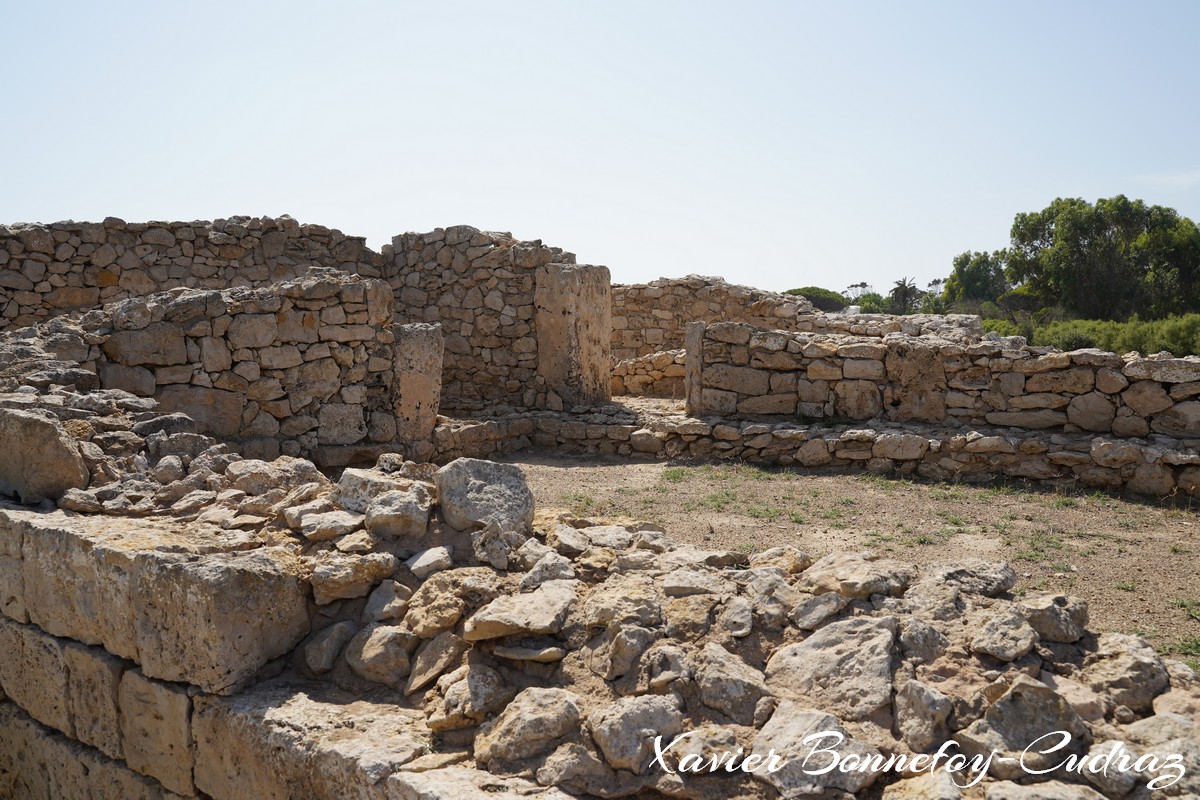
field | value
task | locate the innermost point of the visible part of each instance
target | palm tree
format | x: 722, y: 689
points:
x: 904, y: 293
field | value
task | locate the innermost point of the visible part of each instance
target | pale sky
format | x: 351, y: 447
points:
x: 775, y: 144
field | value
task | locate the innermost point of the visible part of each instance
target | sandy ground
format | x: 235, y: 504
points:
x: 1136, y: 562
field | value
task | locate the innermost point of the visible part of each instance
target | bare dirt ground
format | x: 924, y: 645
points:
x: 1136, y: 562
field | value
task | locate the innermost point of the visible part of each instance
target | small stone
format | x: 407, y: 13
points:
x: 322, y: 650
x: 330, y: 525
x: 427, y: 562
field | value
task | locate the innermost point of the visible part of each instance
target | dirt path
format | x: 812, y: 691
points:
x: 1137, y: 563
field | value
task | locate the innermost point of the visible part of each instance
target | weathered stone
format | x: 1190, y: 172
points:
x: 845, y: 667
x: 322, y: 650
x: 1025, y: 713
x: 787, y: 736
x: 1182, y: 420
x: 426, y: 562
x: 330, y: 525
x: 538, y: 612
x: 156, y: 730
x: 158, y: 344
x: 433, y: 658
x: 216, y: 411
x: 1005, y: 635
x: 340, y: 423
x: 338, y: 576
x: 400, y: 513
x: 1167, y: 370
x: 1126, y: 669
x: 1092, y: 412
x: 41, y: 460
x: 1146, y: 397
x: 1056, y: 617
x: 442, y: 599
x: 472, y: 492
x: 380, y: 654
x: 625, y: 730
x: 534, y: 723
x: 856, y: 575
x: 728, y: 684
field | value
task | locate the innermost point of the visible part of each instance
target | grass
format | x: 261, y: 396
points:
x: 1064, y: 502
x: 719, y: 501
x: 1190, y: 607
x: 581, y: 502
x: 1041, y: 547
x: 763, y: 511
x: 1178, y: 550
x: 1126, y: 586
x: 674, y: 474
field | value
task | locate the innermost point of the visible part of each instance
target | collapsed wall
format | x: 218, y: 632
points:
x: 525, y: 326
x: 650, y: 318
x: 46, y: 270
x: 419, y: 633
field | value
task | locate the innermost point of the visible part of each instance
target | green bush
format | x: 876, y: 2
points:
x: 824, y: 299
x: 1178, y: 335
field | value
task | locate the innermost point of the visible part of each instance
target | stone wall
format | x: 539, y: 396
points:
x: 654, y: 375
x: 47, y: 270
x: 649, y: 318
x: 736, y: 369
x: 496, y: 299
x: 312, y: 366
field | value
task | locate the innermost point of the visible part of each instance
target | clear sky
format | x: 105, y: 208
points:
x: 776, y: 144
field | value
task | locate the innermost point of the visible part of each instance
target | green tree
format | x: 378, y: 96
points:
x: 976, y: 277
x: 903, y: 294
x: 824, y: 299
x: 1108, y: 260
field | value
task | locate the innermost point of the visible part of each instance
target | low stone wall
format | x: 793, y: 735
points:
x: 652, y: 317
x: 525, y: 326
x: 738, y: 369
x: 46, y: 270
x: 1159, y: 467
x: 654, y: 375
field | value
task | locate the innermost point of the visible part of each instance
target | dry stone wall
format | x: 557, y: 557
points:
x: 649, y: 318
x: 46, y: 270
x: 655, y: 375
x: 525, y: 326
x: 736, y: 369
x: 311, y: 366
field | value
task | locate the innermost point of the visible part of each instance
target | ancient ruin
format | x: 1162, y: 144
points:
x: 250, y: 546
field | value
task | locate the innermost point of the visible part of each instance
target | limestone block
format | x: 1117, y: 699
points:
x: 33, y: 673
x: 135, y: 380
x: 1183, y: 420
x: 573, y: 321
x: 156, y: 730
x: 216, y: 411
x: 158, y: 344
x: 1169, y: 370
x: 252, y: 331
x: 39, y: 764
x: 41, y: 460
x: 214, y: 621
x: 743, y: 380
x: 340, y: 423
x: 95, y: 678
x: 857, y: 399
x: 419, y: 352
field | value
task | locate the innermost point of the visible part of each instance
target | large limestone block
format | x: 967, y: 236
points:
x: 573, y: 321
x: 34, y: 674
x: 340, y: 423
x: 625, y: 730
x: 278, y: 742
x: 743, y: 380
x: 156, y: 730
x: 541, y: 611
x: 160, y: 344
x: 40, y: 459
x: 857, y: 399
x: 460, y: 783
x: 1168, y: 370
x: 214, y: 621
x: 1183, y: 420
x: 95, y: 679
x: 417, y: 395
x: 472, y: 493
x: 916, y: 376
x: 216, y: 411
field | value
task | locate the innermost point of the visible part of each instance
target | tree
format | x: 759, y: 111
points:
x: 855, y: 291
x: 977, y: 277
x: 903, y: 294
x: 824, y: 299
x: 1108, y: 260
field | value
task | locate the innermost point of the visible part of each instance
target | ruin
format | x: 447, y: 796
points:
x: 251, y: 548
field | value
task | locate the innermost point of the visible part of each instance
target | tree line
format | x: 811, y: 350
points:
x: 1114, y: 274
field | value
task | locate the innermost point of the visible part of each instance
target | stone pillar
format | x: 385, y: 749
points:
x: 693, y: 345
x: 573, y: 319
x: 417, y: 386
